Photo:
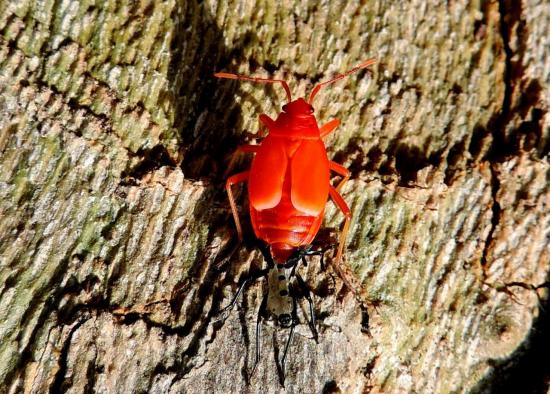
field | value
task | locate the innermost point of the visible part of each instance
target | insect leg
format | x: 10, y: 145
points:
x: 261, y: 313
x: 307, y: 294
x: 264, y: 249
x: 233, y: 180
x: 249, y: 148
x: 235, y: 155
x: 251, y: 277
x: 327, y: 128
x: 322, y: 260
x: 321, y: 254
x: 340, y: 170
x: 340, y: 203
x: 267, y: 121
x: 290, y: 335
x: 342, y: 269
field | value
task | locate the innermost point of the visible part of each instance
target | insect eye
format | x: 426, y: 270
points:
x: 285, y: 107
x: 311, y: 109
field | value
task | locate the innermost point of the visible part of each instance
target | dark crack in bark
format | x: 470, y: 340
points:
x: 59, y: 384
x: 527, y: 370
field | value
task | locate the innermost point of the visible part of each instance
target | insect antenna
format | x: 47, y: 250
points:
x: 256, y: 79
x: 339, y: 77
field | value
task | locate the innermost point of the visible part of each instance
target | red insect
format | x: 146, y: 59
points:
x: 289, y: 181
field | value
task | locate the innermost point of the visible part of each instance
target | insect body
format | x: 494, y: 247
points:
x: 279, y: 301
x: 289, y: 181
x: 289, y: 185
x: 280, y: 305
x: 285, y: 286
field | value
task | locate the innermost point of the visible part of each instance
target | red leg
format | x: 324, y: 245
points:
x: 327, y: 128
x: 249, y: 148
x: 340, y: 170
x: 341, y: 267
x: 266, y: 124
x: 267, y: 121
x: 340, y: 203
x: 233, y: 180
x: 244, y: 149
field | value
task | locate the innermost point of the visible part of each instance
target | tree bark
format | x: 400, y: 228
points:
x: 115, y: 232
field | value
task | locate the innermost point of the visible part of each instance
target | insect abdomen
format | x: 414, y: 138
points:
x: 283, y: 226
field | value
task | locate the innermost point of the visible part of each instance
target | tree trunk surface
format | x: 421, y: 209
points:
x: 116, y: 234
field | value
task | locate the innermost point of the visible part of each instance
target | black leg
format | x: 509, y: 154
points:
x: 251, y: 277
x: 289, y: 340
x: 322, y: 262
x: 365, y: 321
x: 307, y: 294
x: 301, y: 253
x: 321, y: 253
x: 261, y: 313
x: 264, y: 249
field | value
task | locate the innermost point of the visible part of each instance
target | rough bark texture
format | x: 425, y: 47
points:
x: 113, y: 220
